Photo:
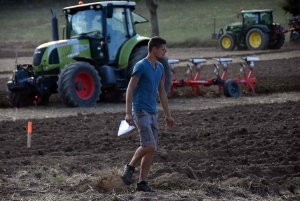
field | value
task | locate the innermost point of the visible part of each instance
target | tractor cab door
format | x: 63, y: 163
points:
x: 88, y: 24
x: 249, y: 20
x: 267, y: 19
x: 118, y: 32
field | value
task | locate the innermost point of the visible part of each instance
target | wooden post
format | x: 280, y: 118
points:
x: 29, y: 134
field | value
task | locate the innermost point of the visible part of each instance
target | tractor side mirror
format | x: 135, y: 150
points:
x: 238, y: 15
x: 109, y: 10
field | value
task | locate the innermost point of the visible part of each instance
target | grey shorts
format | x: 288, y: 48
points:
x: 147, y: 126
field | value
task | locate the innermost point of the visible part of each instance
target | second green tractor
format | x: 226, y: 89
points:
x: 257, y: 31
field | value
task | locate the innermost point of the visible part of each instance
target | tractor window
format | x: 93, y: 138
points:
x: 266, y: 18
x: 88, y: 21
x: 117, y: 30
x: 250, y: 18
x: 138, y: 18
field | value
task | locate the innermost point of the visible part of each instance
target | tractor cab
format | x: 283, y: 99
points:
x: 257, y: 18
x: 104, y: 25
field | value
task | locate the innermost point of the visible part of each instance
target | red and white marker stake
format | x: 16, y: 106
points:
x: 29, y: 134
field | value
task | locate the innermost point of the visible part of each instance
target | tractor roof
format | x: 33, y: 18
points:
x: 257, y: 11
x: 101, y: 4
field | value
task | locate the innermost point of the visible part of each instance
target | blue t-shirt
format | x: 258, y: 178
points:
x: 144, y: 95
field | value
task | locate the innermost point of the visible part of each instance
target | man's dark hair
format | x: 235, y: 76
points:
x: 156, y: 41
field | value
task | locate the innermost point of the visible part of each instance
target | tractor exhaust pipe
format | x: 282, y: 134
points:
x: 54, y: 26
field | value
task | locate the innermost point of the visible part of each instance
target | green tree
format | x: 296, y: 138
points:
x: 152, y: 6
x: 291, y: 6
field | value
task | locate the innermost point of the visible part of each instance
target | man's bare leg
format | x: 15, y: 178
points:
x: 140, y: 153
x: 145, y: 165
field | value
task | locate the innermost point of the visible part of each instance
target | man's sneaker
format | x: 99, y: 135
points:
x: 144, y: 186
x: 127, y: 174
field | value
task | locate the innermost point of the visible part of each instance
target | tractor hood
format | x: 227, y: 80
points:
x: 234, y: 26
x: 56, y: 54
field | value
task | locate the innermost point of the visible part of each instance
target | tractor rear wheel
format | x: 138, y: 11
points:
x: 136, y: 55
x: 141, y: 52
x: 278, y: 43
x: 227, y: 42
x: 256, y: 39
x: 232, y: 88
x: 79, y: 85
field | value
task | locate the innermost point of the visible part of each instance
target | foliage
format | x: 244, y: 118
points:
x: 291, y: 6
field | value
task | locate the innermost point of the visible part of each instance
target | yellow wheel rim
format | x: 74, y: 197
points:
x: 226, y: 42
x: 255, y: 40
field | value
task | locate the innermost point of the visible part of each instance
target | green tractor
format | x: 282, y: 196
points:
x: 257, y: 31
x: 93, y: 62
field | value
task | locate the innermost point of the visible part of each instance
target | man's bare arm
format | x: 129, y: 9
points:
x: 129, y: 94
x: 164, y: 103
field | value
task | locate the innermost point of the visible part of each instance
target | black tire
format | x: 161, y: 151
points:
x: 256, y: 39
x: 136, y: 55
x: 278, y: 43
x: 227, y: 42
x: 141, y: 52
x: 294, y: 37
x: 25, y: 100
x: 16, y: 99
x: 79, y: 85
x: 232, y: 89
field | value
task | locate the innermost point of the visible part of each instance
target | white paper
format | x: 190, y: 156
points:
x: 124, y: 128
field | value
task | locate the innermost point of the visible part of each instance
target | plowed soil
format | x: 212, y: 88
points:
x: 220, y: 149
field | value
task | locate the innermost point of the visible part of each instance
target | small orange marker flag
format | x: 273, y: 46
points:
x: 29, y: 134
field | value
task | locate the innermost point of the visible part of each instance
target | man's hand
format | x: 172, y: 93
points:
x: 128, y: 119
x: 169, y: 122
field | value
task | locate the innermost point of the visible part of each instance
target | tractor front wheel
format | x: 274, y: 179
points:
x: 23, y: 100
x: 79, y: 85
x: 227, y: 42
x: 232, y: 89
x: 256, y: 39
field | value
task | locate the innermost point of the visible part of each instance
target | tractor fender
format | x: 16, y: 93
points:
x: 88, y: 60
x: 105, y: 72
x: 127, y: 48
x: 235, y: 35
x: 264, y: 28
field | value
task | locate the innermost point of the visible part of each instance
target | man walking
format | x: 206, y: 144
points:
x: 146, y: 80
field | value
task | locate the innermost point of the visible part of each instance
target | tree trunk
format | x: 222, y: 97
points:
x: 153, y: 17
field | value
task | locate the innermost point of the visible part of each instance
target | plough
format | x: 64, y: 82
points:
x: 231, y: 87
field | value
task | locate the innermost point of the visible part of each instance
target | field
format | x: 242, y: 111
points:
x: 184, y: 22
x: 220, y: 148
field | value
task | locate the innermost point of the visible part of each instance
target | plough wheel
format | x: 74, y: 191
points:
x: 232, y: 88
